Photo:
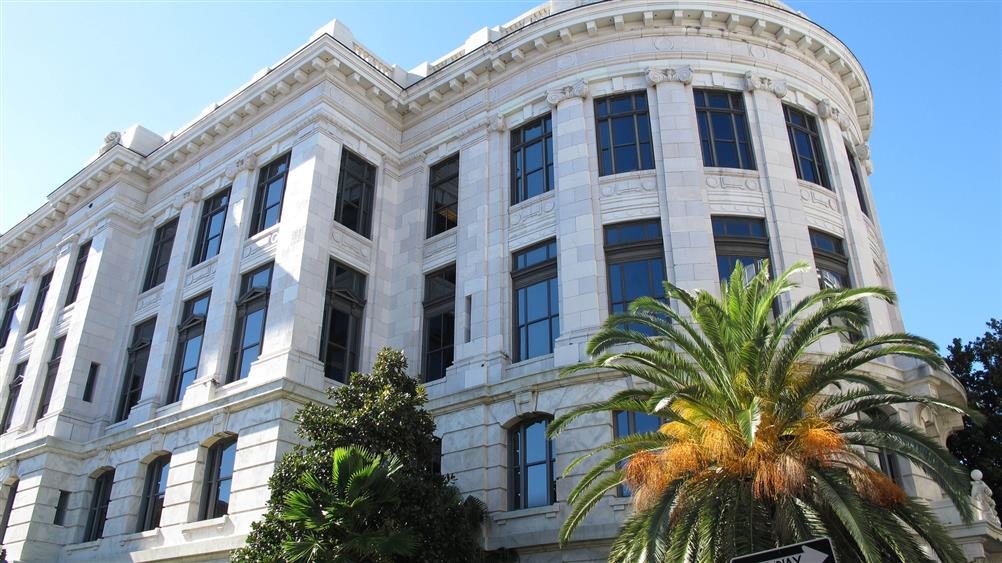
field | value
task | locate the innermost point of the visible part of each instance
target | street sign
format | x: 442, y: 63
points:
x: 815, y: 551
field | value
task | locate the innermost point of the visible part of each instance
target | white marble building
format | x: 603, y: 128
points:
x: 334, y: 154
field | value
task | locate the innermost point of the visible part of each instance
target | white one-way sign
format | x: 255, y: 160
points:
x: 815, y: 551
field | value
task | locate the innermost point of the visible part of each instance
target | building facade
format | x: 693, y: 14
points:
x: 172, y: 305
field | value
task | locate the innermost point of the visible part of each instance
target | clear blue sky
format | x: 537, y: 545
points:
x: 71, y: 72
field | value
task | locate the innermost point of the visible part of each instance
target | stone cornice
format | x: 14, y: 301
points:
x: 539, y: 33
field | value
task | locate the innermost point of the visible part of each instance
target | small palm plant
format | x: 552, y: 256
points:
x: 761, y: 444
x: 350, y: 521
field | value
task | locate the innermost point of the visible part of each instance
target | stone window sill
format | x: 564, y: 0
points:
x: 817, y: 187
x: 85, y: 546
x: 549, y: 511
x: 532, y: 365
x: 724, y: 171
x: 146, y: 534
x: 532, y: 200
x: 627, y: 175
x: 217, y: 523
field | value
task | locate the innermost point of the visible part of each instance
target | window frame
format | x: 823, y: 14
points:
x: 834, y: 262
x: 518, y: 485
x: 213, y: 206
x: 13, y: 302
x: 62, y: 507
x: 251, y: 300
x: 160, y: 254
x: 44, y: 283
x: 622, y: 490
x: 192, y: 326
x: 735, y: 114
x: 617, y: 254
x: 436, y: 306
x: 366, y: 208
x: 51, y: 373
x: 79, y: 267
x: 266, y: 175
x: 97, y: 511
x: 152, y: 503
x: 605, y: 122
x: 8, y: 507
x: 137, y: 360
x: 213, y: 478
x: 857, y: 181
x: 524, y: 277
x: 442, y: 184
x: 346, y: 301
x: 13, y: 394
x: 517, y: 153
x: 91, y: 383
x: 750, y: 246
x: 810, y: 128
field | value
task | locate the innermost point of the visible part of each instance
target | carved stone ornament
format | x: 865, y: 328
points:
x: 681, y: 74
x: 8, y: 470
x: 862, y: 151
x: 496, y: 123
x: 755, y: 81
x: 246, y: 162
x: 981, y: 498
x: 577, y: 90
x: 111, y: 139
x: 194, y: 195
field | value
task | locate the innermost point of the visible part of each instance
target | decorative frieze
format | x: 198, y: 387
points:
x: 731, y: 183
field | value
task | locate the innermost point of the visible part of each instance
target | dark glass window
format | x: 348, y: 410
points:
x: 739, y: 240
x: 62, y: 504
x: 887, y: 461
x: 78, y: 271
x: 10, y: 491
x: 624, y: 134
x: 39, y: 306
x: 627, y: 423
x: 218, y: 477
x: 530, y: 465
x: 439, y: 322
x: 153, y: 493
x: 341, y: 336
x: 163, y: 242
x: 723, y: 129
x: 210, y: 227
x: 88, y: 392
x: 13, y: 392
x: 832, y: 265
x: 189, y: 346
x: 51, y: 372
x: 532, y: 159
x: 443, y: 196
x: 269, y: 194
x: 857, y: 181
x: 536, y: 301
x: 97, y: 513
x: 635, y: 262
x: 356, y: 189
x: 805, y: 142
x: 252, y: 312
x: 8, y: 316
x: 135, y: 368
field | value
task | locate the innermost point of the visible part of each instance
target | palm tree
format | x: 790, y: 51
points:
x: 761, y: 444
x: 350, y: 521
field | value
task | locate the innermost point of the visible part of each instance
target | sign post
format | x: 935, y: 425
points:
x: 814, y: 551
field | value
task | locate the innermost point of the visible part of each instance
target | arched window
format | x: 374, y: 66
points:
x: 530, y: 465
x: 97, y: 513
x: 9, y: 492
x: 218, y: 477
x: 153, y: 493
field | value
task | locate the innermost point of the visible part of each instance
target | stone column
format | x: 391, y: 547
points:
x: 579, y: 228
x: 685, y: 217
x: 789, y: 241
x: 225, y: 269
x: 299, y: 280
x: 158, y: 369
x: 476, y: 217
